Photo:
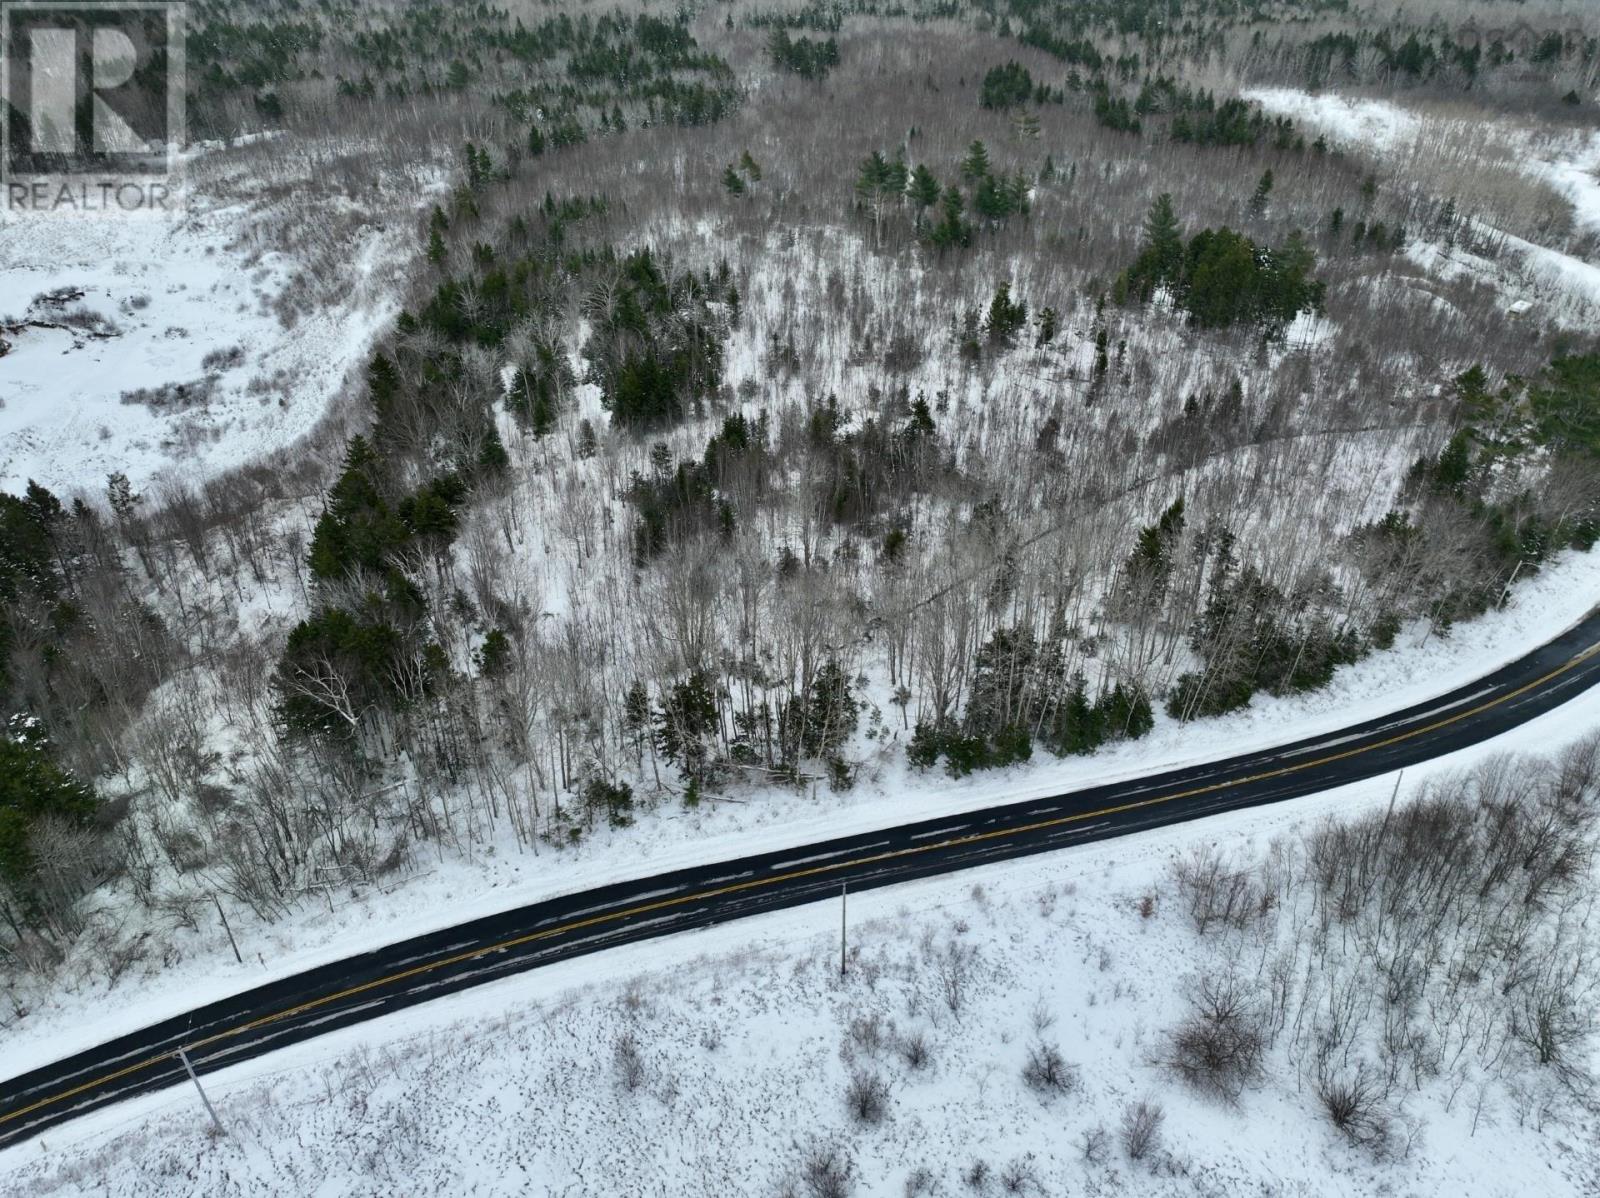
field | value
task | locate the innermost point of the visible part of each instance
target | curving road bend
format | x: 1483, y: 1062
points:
x: 364, y: 987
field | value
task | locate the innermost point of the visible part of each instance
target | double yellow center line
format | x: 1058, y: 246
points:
x: 699, y: 896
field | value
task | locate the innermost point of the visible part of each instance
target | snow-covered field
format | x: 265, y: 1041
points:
x: 170, y: 348
x: 718, y: 1062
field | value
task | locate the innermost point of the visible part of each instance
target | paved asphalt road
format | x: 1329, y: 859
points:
x: 426, y: 967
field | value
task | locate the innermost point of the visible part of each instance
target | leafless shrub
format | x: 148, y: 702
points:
x: 914, y: 1050
x: 179, y: 910
x: 1047, y: 1071
x: 182, y: 846
x: 904, y: 352
x: 867, y: 1098
x: 1019, y: 1177
x: 1353, y: 1100
x: 1141, y: 1129
x: 1577, y: 774
x: 825, y: 1172
x: 633, y: 996
x: 68, y: 861
x: 867, y: 1033
x: 223, y: 358
x: 953, y: 968
x: 173, y: 396
x: 87, y: 320
x: 919, y: 1181
x: 1093, y: 1144
x: 121, y: 956
x: 976, y: 1177
x: 628, y: 1061
x: 1551, y: 1019
x: 1219, y: 1046
x: 1214, y: 891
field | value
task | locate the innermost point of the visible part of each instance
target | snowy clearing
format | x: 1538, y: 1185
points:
x: 175, y: 349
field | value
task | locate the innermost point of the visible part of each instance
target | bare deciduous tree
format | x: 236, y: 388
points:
x: 1218, y: 1048
x: 1047, y: 1071
x: 1141, y: 1129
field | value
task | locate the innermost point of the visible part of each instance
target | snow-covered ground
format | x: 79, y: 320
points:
x: 168, y: 348
x: 715, y: 1062
x: 1565, y: 286
x: 513, y: 1088
x: 198, y: 964
x: 1353, y: 120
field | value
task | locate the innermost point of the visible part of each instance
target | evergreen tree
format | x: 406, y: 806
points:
x: 492, y: 457
x: 588, y: 442
x: 615, y: 799
x: 952, y: 229
x: 1150, y: 564
x: 437, y: 224
x: 357, y: 529
x: 1565, y: 400
x: 975, y: 165
x: 1006, y: 316
x: 120, y: 494
x: 1006, y: 87
x: 1160, y: 261
x: 1258, y: 200
x: 924, y: 188
x: 880, y: 182
x: 33, y: 789
x: 539, y: 388
x: 493, y: 657
x: 992, y: 199
x: 339, y: 666
x: 636, y: 714
x: 827, y: 714
x: 687, y: 718
x: 479, y: 166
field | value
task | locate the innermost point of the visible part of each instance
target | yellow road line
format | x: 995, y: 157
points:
x: 813, y: 871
